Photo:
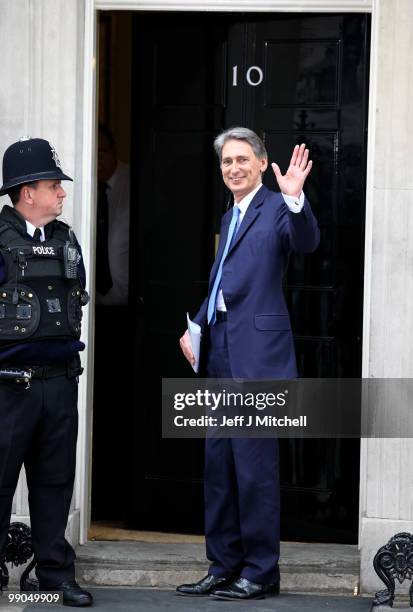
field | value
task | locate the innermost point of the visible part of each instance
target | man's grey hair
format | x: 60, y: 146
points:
x: 241, y: 133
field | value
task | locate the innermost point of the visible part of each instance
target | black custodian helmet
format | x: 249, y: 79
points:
x: 30, y: 159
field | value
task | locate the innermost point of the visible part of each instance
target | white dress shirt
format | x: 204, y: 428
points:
x: 118, y: 194
x: 294, y: 204
x: 32, y: 228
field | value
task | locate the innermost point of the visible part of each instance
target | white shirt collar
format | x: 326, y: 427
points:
x: 246, y: 201
x: 31, y: 229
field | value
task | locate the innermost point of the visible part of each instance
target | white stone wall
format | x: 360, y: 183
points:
x: 40, y: 73
x: 386, y: 475
x: 41, y: 77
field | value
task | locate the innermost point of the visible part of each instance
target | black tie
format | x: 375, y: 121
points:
x: 37, y: 236
x: 103, y: 276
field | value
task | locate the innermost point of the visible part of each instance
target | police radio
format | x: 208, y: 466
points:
x: 71, y: 257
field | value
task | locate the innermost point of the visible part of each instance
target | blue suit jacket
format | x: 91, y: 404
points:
x: 260, y: 341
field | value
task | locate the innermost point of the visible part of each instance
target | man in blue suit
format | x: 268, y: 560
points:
x: 247, y: 331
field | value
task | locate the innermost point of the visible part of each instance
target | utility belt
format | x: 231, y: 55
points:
x: 24, y: 374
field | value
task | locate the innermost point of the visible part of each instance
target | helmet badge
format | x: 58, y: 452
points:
x: 55, y: 157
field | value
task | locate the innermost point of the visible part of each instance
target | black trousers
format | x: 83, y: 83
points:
x: 38, y: 427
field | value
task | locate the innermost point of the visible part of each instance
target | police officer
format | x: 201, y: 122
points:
x: 42, y: 291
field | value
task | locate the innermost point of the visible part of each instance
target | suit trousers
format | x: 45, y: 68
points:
x: 242, y: 498
x: 39, y: 429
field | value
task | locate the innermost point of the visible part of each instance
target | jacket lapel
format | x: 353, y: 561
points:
x: 224, y: 233
x: 223, y: 239
x: 250, y: 216
x: 252, y: 213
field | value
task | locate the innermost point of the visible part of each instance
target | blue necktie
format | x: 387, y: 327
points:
x: 211, y: 313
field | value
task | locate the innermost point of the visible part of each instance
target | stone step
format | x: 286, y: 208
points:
x: 305, y: 568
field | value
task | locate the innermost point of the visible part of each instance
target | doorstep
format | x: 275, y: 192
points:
x: 305, y: 568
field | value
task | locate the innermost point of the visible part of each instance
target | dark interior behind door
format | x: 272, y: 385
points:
x: 313, y: 90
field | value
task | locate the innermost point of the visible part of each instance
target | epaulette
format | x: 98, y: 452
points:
x: 63, y: 228
x: 4, y: 227
x: 65, y: 225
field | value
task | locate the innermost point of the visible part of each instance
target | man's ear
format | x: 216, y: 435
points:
x: 264, y: 165
x: 26, y: 195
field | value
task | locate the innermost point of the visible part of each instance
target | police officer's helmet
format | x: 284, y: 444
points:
x: 30, y: 159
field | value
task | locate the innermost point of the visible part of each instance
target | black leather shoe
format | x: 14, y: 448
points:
x: 242, y: 589
x: 73, y: 595
x: 204, y: 586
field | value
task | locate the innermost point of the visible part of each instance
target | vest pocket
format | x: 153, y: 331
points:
x: 74, y: 310
x: 19, y: 312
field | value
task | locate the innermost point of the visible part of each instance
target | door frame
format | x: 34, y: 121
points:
x: 90, y: 79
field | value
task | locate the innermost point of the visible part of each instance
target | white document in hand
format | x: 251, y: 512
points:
x: 195, y: 335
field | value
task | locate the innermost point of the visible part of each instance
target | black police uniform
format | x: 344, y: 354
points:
x: 41, y: 298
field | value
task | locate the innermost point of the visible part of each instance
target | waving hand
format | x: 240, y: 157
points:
x: 292, y: 182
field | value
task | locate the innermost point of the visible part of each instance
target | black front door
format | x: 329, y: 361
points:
x: 292, y: 79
